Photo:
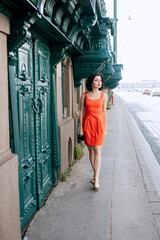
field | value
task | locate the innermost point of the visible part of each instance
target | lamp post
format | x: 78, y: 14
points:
x: 115, y: 36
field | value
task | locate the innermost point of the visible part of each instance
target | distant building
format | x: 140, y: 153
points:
x: 140, y: 85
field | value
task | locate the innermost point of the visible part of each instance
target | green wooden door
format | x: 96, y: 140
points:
x: 43, y: 120
x: 30, y: 106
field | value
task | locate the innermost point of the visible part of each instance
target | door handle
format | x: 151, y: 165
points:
x: 40, y: 106
x: 44, y: 150
x: 37, y: 105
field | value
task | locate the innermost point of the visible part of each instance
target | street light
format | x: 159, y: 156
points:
x: 129, y: 17
x: 115, y: 36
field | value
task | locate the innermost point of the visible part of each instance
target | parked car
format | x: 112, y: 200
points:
x: 155, y: 92
x: 146, y: 91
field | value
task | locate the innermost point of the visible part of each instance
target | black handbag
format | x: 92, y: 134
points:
x: 81, y: 138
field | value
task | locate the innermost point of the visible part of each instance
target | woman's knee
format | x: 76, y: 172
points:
x: 91, y: 150
x: 98, y: 151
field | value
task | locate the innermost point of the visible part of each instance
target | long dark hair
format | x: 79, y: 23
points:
x: 90, y: 80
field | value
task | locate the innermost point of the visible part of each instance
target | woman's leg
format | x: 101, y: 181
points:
x: 97, y: 163
x: 91, y: 156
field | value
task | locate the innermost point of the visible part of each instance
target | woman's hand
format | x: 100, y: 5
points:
x: 80, y: 132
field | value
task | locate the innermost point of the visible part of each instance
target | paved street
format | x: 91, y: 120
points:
x: 127, y: 207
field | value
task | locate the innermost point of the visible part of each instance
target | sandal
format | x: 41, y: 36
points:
x: 92, y: 181
x: 96, y: 184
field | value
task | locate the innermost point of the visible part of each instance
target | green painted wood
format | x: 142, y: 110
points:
x: 33, y: 124
x: 42, y: 119
x: 62, y: 82
x: 21, y: 94
x: 34, y: 2
x: 55, y: 130
x: 117, y: 75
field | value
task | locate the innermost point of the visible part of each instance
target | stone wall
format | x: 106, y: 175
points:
x: 9, y: 187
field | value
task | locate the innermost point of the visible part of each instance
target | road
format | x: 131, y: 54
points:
x: 146, y: 112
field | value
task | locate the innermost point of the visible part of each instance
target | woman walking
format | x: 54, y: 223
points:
x: 92, y: 122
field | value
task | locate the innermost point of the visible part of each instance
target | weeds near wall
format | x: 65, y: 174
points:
x: 66, y: 173
x: 78, y: 153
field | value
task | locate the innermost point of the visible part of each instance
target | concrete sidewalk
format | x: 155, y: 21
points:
x: 127, y: 207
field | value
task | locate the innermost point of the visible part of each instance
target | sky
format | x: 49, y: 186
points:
x: 138, y: 46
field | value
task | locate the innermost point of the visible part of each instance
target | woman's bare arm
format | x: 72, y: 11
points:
x: 81, y: 115
x: 104, y: 110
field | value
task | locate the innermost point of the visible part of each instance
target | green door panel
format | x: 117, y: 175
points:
x: 31, y: 124
x: 21, y: 94
x: 43, y: 121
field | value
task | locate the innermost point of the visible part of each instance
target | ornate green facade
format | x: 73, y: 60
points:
x: 79, y: 29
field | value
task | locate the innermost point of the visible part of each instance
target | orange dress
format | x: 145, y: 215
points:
x: 93, y: 121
